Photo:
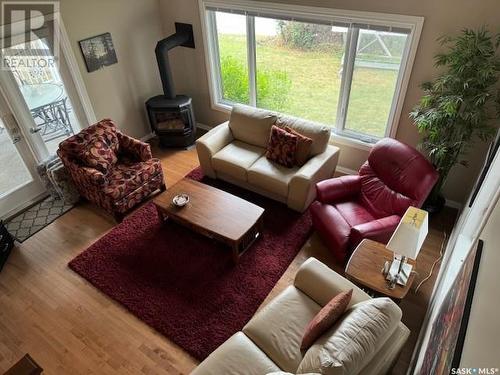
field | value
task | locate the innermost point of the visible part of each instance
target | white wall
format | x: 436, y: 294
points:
x: 119, y: 91
x: 481, y: 347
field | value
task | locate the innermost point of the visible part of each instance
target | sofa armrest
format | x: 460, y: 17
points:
x: 302, y: 186
x: 321, y: 283
x: 91, y: 176
x: 379, y: 230
x: 138, y: 149
x: 338, y: 188
x: 211, y: 143
x: 82, y: 176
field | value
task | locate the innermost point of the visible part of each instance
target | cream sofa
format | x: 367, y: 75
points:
x: 270, y: 342
x: 235, y: 152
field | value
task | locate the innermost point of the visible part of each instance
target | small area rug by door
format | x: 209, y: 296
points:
x: 185, y: 285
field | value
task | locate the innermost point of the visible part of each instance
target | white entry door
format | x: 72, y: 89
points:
x: 19, y: 183
x: 41, y: 105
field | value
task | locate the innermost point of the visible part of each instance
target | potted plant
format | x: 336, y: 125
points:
x: 461, y: 105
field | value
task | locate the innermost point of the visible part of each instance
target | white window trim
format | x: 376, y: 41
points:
x: 76, y: 75
x: 414, y: 23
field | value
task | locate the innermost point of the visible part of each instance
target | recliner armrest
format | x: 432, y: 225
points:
x: 379, y: 230
x: 302, y: 186
x: 338, y: 188
x: 211, y: 143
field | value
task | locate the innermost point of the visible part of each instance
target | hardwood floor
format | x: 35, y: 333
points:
x: 69, y: 327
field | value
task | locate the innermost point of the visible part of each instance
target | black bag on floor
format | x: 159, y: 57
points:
x: 6, y: 244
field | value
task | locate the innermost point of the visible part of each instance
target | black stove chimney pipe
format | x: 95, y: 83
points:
x: 182, y: 37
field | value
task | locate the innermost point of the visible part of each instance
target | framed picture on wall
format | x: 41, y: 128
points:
x: 443, y: 346
x: 98, y: 51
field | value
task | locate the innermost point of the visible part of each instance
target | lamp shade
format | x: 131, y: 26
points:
x: 410, y: 234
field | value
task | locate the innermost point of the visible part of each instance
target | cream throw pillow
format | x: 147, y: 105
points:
x: 350, y: 344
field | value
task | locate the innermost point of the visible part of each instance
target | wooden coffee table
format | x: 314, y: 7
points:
x: 213, y: 213
x: 365, y: 269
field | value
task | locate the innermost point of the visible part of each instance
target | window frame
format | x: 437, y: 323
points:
x: 212, y: 58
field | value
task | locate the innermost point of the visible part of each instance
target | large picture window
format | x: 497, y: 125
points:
x: 328, y: 68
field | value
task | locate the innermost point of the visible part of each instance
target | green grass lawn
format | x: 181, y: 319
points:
x: 314, y: 78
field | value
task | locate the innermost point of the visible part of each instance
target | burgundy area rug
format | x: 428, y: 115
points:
x: 185, y: 285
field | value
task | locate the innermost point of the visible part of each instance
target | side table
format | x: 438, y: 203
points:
x: 365, y: 269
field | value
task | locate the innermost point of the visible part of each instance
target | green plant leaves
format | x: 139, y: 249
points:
x: 454, y: 109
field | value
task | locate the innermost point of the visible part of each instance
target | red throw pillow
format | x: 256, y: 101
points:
x: 304, y: 145
x: 97, y: 154
x: 282, y: 147
x: 325, y: 318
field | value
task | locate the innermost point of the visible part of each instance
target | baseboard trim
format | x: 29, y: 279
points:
x: 203, y: 126
x: 147, y: 137
x: 345, y: 170
x: 454, y: 204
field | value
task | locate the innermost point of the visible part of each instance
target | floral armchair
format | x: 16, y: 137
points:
x: 111, y: 169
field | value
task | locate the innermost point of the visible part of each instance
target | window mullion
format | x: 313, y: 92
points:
x: 348, y: 70
x: 251, y: 57
x: 214, y: 46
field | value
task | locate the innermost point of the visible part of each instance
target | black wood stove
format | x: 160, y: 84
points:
x: 171, y: 116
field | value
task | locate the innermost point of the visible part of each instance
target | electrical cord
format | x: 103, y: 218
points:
x: 434, y: 264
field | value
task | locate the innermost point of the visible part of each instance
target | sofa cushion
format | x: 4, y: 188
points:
x: 106, y: 128
x: 98, y: 154
x: 319, y: 133
x: 238, y: 355
x: 251, y: 125
x: 124, y: 178
x: 270, y: 176
x: 388, y: 353
x: 326, y: 318
x: 282, y: 147
x: 349, y: 345
x: 278, y: 328
x: 354, y: 213
x: 236, y: 158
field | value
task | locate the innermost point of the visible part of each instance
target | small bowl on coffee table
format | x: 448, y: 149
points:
x: 180, y: 200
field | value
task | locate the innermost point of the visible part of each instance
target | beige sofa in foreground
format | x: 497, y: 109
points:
x: 270, y: 341
x: 235, y: 152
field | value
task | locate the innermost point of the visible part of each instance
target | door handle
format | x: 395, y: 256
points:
x: 11, y: 126
x: 35, y: 130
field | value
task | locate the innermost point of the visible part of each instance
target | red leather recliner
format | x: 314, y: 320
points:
x: 370, y: 205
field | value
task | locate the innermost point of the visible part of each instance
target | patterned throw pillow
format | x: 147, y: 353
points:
x: 326, y: 318
x: 98, y: 154
x: 303, y: 147
x: 282, y: 147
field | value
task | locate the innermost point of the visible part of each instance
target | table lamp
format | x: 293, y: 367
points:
x: 406, y: 242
